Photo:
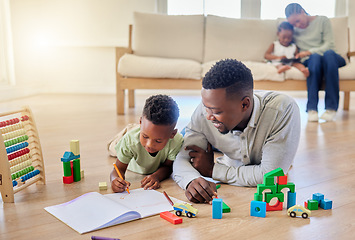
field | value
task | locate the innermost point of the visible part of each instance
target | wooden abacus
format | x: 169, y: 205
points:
x: 21, y: 160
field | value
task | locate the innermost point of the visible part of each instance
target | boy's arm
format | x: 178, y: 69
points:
x: 163, y: 172
x: 118, y: 184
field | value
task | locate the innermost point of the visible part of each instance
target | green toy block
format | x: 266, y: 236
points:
x: 269, y: 181
x: 258, y: 197
x: 289, y: 185
x: 225, y: 208
x: 76, y: 170
x: 262, y: 187
x: 312, y: 204
x: 280, y: 196
x: 66, y: 169
x: 277, y: 172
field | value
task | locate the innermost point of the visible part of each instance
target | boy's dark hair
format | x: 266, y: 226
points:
x: 294, y: 8
x: 161, y: 110
x: 285, y: 26
x: 230, y: 74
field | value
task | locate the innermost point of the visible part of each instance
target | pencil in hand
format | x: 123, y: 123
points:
x: 119, y: 174
x: 168, y: 198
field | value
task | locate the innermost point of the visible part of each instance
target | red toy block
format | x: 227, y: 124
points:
x: 282, y: 180
x: 277, y: 207
x: 171, y: 217
x: 306, y: 204
x: 68, y: 180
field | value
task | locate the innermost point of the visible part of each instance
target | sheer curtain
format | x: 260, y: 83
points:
x: 6, y: 49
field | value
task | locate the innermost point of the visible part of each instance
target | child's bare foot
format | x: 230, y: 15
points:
x: 305, y: 72
x: 283, y: 68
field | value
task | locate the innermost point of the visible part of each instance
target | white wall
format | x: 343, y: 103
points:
x: 68, y: 45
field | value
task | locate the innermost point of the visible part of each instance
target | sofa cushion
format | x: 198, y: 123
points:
x: 131, y: 65
x: 260, y: 71
x: 242, y: 39
x: 168, y: 36
x: 347, y: 72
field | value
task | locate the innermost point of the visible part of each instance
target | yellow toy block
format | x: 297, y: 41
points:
x: 102, y: 186
x: 74, y: 147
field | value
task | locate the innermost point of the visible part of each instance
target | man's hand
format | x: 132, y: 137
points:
x: 150, y: 182
x: 202, y: 160
x: 200, y: 190
x: 303, y: 54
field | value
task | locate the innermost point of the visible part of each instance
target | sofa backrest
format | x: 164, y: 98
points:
x: 242, y: 39
x: 340, y: 32
x: 169, y: 36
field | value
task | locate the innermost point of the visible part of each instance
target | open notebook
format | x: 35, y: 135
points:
x: 93, y: 211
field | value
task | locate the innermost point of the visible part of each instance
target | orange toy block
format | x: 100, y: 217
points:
x: 171, y: 217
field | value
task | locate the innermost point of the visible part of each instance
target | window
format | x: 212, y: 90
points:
x: 223, y: 8
x: 272, y: 9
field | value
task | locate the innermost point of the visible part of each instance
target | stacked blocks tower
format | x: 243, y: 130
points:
x: 275, y: 191
x: 217, y: 208
x: 317, y: 201
x: 21, y: 160
x: 71, y: 163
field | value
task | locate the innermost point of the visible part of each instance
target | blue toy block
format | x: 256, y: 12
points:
x: 291, y: 199
x: 258, y: 209
x: 217, y: 208
x: 318, y: 197
x: 326, y: 204
x: 68, y: 156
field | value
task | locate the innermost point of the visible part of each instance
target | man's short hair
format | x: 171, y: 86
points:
x: 230, y: 74
x: 161, y: 110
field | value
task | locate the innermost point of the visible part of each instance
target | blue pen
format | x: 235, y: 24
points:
x: 103, y: 238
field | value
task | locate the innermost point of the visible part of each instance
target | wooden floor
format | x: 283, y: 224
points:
x: 325, y: 163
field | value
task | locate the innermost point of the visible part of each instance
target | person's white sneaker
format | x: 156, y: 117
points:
x: 312, y: 116
x: 329, y: 115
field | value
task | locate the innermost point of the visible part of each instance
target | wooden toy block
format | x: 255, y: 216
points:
x: 306, y: 204
x: 82, y: 173
x: 74, y: 147
x: 217, y: 209
x: 275, y: 173
x: 326, y: 204
x: 262, y: 187
x: 289, y: 185
x: 277, y: 207
x: 66, y: 169
x: 291, y: 199
x: 171, y: 217
x: 258, y: 209
x: 312, y: 204
x: 269, y: 181
x: 102, y: 186
x: 225, y: 208
x: 318, y: 197
x: 258, y: 197
x: 76, y: 170
x: 68, y: 156
x: 282, y: 180
x: 280, y: 197
x: 68, y: 180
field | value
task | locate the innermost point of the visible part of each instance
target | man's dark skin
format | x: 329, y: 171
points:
x: 226, y: 112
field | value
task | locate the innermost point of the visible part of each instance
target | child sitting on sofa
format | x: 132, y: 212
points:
x: 281, y: 53
x: 149, y: 148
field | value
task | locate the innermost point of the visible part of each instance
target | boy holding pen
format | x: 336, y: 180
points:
x: 150, y: 148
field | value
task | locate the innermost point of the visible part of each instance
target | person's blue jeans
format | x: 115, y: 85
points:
x: 323, y: 67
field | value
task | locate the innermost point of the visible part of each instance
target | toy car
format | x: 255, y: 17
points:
x: 298, y: 210
x: 185, y: 209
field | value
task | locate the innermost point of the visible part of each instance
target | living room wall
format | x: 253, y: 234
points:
x: 63, y: 46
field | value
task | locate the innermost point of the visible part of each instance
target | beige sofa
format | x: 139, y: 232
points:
x: 174, y: 52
